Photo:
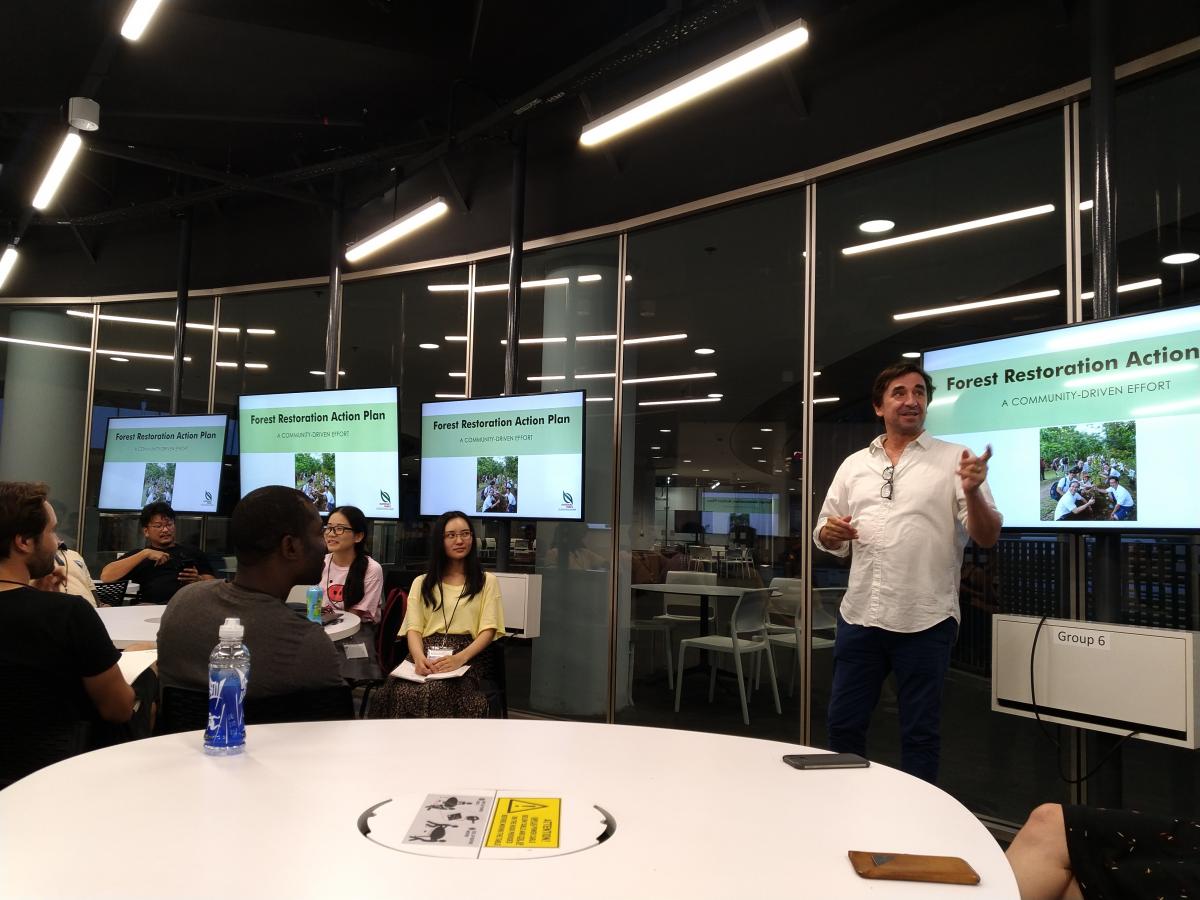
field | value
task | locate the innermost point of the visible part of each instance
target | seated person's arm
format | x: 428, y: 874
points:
x: 112, y: 696
x: 466, y: 654
x: 120, y: 568
x: 416, y: 649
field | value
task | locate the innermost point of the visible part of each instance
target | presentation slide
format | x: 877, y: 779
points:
x: 1090, y: 425
x: 507, y: 457
x: 341, y: 448
x: 176, y: 459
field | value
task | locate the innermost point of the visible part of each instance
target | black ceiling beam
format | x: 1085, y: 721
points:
x: 313, y: 120
x: 160, y: 161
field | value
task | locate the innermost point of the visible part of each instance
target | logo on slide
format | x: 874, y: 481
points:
x: 385, y: 500
x: 568, y: 501
x: 208, y: 498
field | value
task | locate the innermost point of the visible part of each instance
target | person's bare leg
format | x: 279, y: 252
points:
x: 1039, y: 859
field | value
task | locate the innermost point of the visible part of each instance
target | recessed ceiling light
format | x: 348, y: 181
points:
x: 766, y: 429
x: 155, y: 390
x: 911, y: 355
x: 762, y: 460
x: 816, y: 373
x: 428, y: 346
x: 687, y: 460
x: 756, y: 448
x: 584, y: 279
x: 705, y: 351
x: 877, y: 226
x: 706, y: 470
x: 716, y: 396
x: 656, y: 448
x: 629, y: 278
x: 1179, y: 259
x: 664, y: 431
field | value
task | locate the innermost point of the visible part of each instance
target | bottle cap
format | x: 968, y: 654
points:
x: 232, y: 630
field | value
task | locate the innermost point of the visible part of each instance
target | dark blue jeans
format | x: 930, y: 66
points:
x: 862, y: 659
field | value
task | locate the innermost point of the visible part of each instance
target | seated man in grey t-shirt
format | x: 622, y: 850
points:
x: 276, y: 534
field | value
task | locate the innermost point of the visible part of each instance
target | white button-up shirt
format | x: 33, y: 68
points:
x: 905, y: 571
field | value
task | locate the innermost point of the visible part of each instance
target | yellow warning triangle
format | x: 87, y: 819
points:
x: 515, y: 805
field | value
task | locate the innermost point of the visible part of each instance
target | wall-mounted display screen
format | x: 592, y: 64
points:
x: 339, y: 447
x: 176, y: 459
x: 504, y: 457
x: 1090, y: 425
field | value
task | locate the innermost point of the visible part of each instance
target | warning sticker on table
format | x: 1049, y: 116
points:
x: 453, y: 820
x: 519, y: 822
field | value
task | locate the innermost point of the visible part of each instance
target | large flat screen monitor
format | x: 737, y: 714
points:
x: 172, y: 458
x: 1117, y: 398
x: 504, y: 457
x: 341, y: 448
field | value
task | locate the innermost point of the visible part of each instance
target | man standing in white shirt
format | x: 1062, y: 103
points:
x: 907, y: 504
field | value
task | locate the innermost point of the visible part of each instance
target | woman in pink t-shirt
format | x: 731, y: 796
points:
x: 351, y: 580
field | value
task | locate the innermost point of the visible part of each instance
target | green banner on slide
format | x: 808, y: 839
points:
x: 360, y: 427
x: 1157, y: 376
x: 514, y: 432
x: 175, y: 444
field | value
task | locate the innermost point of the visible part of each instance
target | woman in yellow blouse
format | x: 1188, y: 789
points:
x: 454, y: 613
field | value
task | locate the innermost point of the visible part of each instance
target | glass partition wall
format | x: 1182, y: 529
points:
x: 689, y: 338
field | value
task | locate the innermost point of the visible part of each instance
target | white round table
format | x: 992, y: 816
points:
x: 134, y: 624
x: 696, y: 815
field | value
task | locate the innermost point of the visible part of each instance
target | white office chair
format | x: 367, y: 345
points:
x: 740, y: 559
x: 787, y: 600
x: 664, y: 622
x: 701, y: 559
x: 747, y: 635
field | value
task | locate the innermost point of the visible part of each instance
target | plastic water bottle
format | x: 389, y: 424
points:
x: 316, y: 599
x: 228, y: 677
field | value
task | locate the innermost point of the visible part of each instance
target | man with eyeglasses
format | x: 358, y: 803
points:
x: 906, y: 504
x: 162, y: 567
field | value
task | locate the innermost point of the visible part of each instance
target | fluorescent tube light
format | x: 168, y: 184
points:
x: 537, y: 283
x: 583, y: 338
x: 1123, y: 288
x: 586, y: 376
x: 233, y: 365
x: 686, y: 376
x: 390, y: 233
x: 58, y: 169
x: 166, y: 323
x: 457, y: 374
x: 255, y: 365
x: 254, y: 330
x: 123, y: 359
x: 154, y: 390
x: 546, y: 378
x: 456, y: 338
x: 1086, y: 205
x: 7, y: 261
x: 949, y: 229
x: 451, y: 396
x: 716, y: 74
x: 138, y: 18
x: 673, y: 402
x: 598, y: 399
x: 976, y: 304
x: 704, y: 351
x: 537, y: 340
x: 448, y: 288
x: 911, y: 354
x: 318, y: 371
x: 655, y: 339
x: 826, y: 399
x: 584, y: 279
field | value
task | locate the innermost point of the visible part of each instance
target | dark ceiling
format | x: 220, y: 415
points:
x: 242, y: 112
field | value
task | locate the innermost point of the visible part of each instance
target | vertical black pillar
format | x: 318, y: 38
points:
x: 333, y: 324
x: 181, y: 305
x: 1105, y: 786
x: 516, y: 249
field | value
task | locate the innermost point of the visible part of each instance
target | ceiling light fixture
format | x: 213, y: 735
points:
x: 1125, y: 288
x: 704, y: 351
x: 686, y: 376
x: 456, y: 338
x: 451, y: 396
x: 949, y: 229
x: 428, y: 346
x: 546, y: 378
x: 768, y: 430
x: 255, y: 365
x: 683, y: 90
x: 655, y: 339
x: 537, y: 283
x: 664, y: 431
x: 585, y: 279
x: 7, y: 261
x: 315, y: 371
x: 717, y: 396
x: 583, y: 338
x: 164, y: 323
x: 877, y: 226
x: 58, y: 169
x: 457, y: 374
x: 405, y: 225
x: 448, y: 288
x: 673, y: 402
x: 233, y: 365
x: 591, y: 375
x: 598, y: 399
x: 1173, y: 259
x: 1086, y: 205
x: 537, y: 340
x: 124, y: 359
x: 154, y: 390
x: 138, y: 18
x: 911, y: 354
x: 976, y: 304
x: 826, y: 399
x: 254, y: 330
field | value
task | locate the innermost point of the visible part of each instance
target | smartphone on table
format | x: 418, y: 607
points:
x: 826, y: 761
x: 913, y: 867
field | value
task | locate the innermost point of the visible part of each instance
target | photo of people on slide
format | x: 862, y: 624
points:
x: 158, y: 483
x: 496, y: 484
x: 1089, y: 472
x: 314, y: 478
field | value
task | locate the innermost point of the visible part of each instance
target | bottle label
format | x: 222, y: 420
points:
x: 226, y: 719
x: 315, y: 596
